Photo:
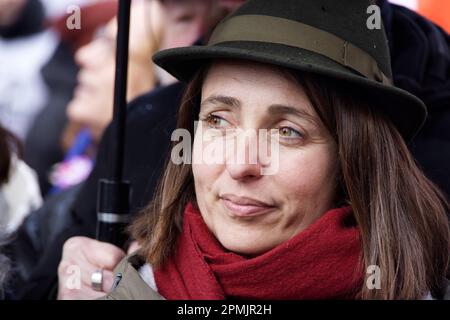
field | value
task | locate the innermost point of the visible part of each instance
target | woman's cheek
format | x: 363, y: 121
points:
x: 206, y: 166
x: 304, y: 171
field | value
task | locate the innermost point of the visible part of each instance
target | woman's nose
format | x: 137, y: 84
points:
x: 242, y: 159
x: 88, y: 54
x: 244, y: 171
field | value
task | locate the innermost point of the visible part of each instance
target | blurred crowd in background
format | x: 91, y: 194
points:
x: 56, y: 87
x: 56, y: 84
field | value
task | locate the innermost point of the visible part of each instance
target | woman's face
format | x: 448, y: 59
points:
x: 251, y: 205
x: 153, y: 25
x: 92, y: 105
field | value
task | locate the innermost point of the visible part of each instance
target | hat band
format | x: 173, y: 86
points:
x: 262, y: 28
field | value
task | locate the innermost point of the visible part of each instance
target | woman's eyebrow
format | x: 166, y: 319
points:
x: 222, y: 100
x: 274, y: 109
x: 279, y: 109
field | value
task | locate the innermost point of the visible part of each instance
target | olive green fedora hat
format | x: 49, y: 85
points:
x: 331, y: 38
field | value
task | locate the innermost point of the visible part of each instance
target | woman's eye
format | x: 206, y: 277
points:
x: 216, y: 121
x: 288, y: 132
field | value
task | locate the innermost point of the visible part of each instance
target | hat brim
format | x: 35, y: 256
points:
x: 406, y: 111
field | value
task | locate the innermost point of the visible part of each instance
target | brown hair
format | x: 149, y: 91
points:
x: 400, y: 213
x: 9, y: 144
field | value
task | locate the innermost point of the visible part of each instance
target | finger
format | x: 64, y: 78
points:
x: 71, y: 276
x: 85, y: 290
x: 108, y: 280
x: 107, y: 283
x: 87, y: 269
x: 90, y: 294
x: 103, y: 255
x: 82, y: 293
x: 84, y: 269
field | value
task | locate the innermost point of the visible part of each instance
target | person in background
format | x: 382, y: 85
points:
x: 19, y: 194
x: 22, y: 89
x: 19, y: 191
x: 92, y: 104
x: 42, y: 146
x: 5, y: 164
x: 90, y: 110
x: 155, y: 25
x: 184, y: 23
x: 420, y: 55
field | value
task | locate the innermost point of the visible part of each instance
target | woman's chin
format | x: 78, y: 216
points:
x: 247, y: 245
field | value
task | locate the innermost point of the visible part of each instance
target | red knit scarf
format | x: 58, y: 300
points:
x: 322, y: 262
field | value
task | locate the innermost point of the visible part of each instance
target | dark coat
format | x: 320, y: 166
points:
x: 42, y: 146
x: 420, y: 57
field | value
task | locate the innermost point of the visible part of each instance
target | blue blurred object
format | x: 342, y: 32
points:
x: 82, y: 141
x: 76, y: 165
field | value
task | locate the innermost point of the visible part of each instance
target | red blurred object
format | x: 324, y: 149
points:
x: 92, y: 17
x: 436, y: 10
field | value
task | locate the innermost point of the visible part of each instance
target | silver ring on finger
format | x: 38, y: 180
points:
x: 97, y: 280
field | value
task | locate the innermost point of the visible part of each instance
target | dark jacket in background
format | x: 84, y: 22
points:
x: 42, y: 146
x: 420, y: 65
x: 420, y: 54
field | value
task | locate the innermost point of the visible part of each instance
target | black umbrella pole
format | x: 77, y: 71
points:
x: 113, y: 197
x: 113, y: 212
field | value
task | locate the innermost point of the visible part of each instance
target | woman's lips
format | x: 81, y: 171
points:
x: 245, y: 207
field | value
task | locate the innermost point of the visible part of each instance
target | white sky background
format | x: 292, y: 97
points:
x: 412, y: 4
